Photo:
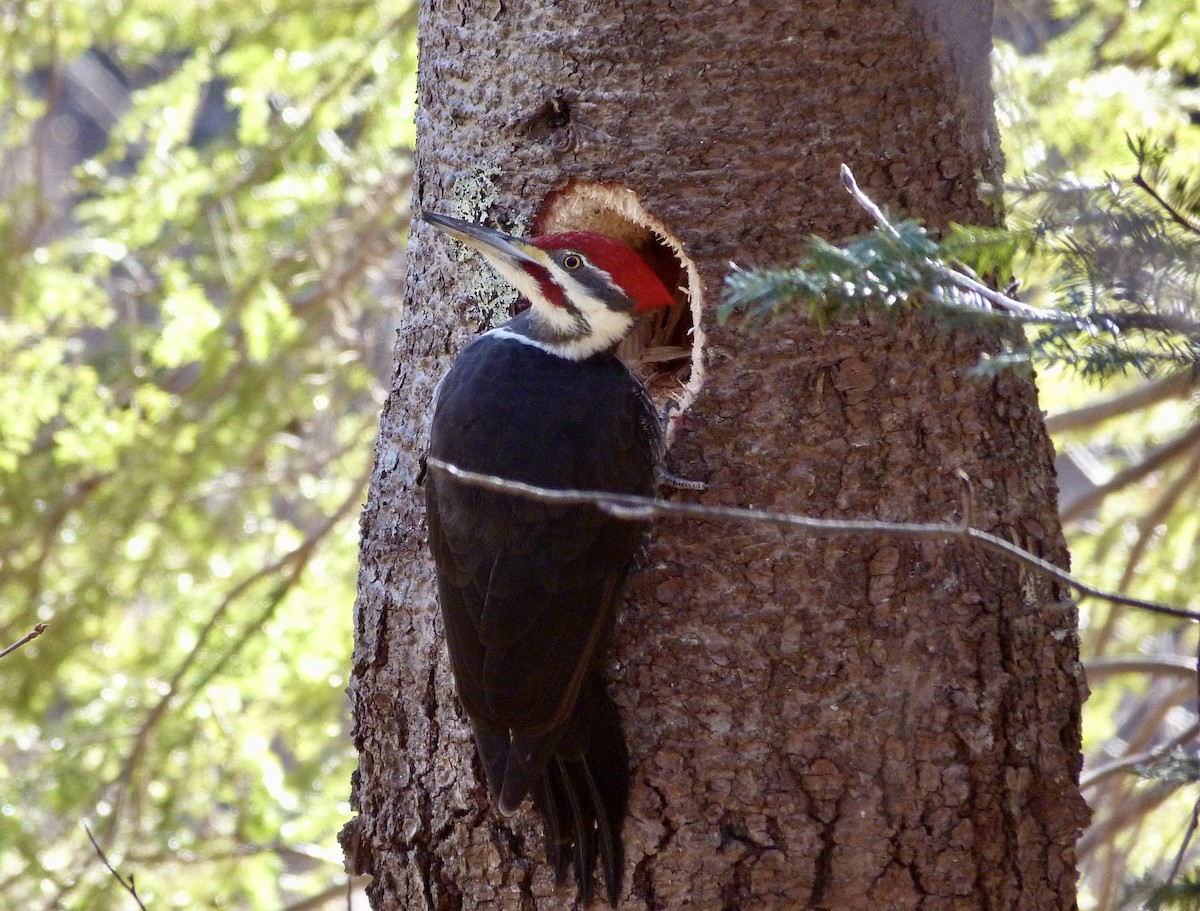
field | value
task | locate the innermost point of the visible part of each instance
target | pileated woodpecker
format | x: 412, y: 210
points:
x: 528, y: 590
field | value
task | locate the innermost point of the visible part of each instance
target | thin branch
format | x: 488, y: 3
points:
x: 1158, y: 458
x: 1176, y: 216
x: 289, y: 567
x: 632, y: 508
x: 1183, y: 845
x: 1126, y: 763
x: 28, y: 637
x: 1162, y: 666
x: 1178, y: 385
x: 126, y: 884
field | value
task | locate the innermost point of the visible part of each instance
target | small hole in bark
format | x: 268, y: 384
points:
x: 551, y: 121
x: 667, y: 346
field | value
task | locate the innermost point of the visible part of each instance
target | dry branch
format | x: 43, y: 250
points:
x: 126, y: 883
x: 640, y: 509
x: 28, y: 637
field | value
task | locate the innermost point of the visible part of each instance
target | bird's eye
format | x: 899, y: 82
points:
x: 572, y: 261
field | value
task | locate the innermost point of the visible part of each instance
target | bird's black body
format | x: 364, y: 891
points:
x: 529, y: 590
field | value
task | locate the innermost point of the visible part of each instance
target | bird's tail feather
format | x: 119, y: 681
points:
x: 579, y: 778
x: 584, y: 794
x: 524, y: 767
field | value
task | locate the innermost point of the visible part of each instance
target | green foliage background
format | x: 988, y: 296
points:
x: 1099, y: 72
x: 193, y: 357
x: 194, y: 344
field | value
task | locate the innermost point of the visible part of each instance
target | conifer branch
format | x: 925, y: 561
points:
x: 1128, y: 277
x: 964, y: 281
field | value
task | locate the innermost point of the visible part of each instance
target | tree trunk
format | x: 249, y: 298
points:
x: 823, y: 722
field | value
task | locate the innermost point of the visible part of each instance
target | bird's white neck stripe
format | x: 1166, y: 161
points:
x: 504, y: 332
x: 576, y: 350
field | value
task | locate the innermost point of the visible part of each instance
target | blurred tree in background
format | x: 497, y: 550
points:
x: 202, y: 210
x: 197, y: 202
x: 1074, y: 81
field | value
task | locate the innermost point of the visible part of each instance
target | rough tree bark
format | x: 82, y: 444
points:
x: 813, y: 722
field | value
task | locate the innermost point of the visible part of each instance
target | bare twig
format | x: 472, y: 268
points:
x: 28, y: 637
x: 126, y: 884
x: 633, y: 508
x: 867, y: 203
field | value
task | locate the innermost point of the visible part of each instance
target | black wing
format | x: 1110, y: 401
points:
x: 529, y: 590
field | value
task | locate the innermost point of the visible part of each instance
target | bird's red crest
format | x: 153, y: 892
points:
x: 623, y: 265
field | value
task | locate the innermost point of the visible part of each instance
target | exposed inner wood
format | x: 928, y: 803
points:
x: 666, y: 349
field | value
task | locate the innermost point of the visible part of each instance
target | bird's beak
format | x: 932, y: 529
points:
x: 498, y: 247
